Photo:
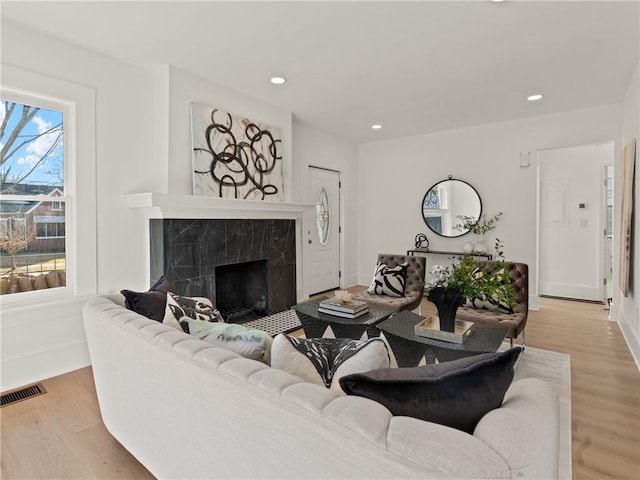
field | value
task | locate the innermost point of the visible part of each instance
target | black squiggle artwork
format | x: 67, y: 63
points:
x: 235, y: 157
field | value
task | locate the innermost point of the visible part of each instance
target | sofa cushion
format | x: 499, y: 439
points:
x: 179, y: 308
x: 150, y: 304
x: 248, y: 342
x: 325, y: 360
x: 389, y: 280
x: 457, y: 394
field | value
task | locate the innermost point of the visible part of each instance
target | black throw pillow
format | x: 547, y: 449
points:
x: 457, y: 394
x: 163, y: 285
x: 149, y: 304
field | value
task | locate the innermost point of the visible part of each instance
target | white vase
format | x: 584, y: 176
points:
x: 480, y: 246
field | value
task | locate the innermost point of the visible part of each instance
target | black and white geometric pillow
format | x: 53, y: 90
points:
x: 198, y: 308
x: 325, y: 360
x: 389, y: 281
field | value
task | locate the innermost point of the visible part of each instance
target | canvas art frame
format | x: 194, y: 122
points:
x: 626, y: 223
x: 235, y: 157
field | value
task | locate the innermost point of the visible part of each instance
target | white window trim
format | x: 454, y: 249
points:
x: 79, y: 114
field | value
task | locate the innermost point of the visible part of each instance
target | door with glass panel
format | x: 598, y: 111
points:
x: 324, y: 237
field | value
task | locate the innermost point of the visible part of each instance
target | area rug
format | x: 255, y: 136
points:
x: 554, y: 368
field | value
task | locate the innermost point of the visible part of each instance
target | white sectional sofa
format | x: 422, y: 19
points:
x: 187, y: 409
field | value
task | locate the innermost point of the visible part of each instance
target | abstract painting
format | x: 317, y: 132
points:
x: 234, y: 157
x: 626, y: 225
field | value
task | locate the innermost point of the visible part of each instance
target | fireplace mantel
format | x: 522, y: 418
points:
x: 170, y: 205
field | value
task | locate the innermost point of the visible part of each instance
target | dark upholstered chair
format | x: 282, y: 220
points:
x: 414, y: 287
x: 519, y: 274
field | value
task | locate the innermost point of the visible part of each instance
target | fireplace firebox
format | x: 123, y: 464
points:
x: 241, y: 290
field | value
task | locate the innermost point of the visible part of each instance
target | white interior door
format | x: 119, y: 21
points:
x: 324, y: 237
x: 571, y: 235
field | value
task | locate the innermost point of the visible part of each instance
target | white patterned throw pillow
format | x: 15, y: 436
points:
x: 389, y: 280
x: 325, y: 360
x: 198, y: 308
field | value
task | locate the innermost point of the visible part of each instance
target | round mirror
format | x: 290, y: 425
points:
x: 446, y: 203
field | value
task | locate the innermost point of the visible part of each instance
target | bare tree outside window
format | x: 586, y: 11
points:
x: 31, y: 195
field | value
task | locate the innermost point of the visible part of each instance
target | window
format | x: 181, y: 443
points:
x: 33, y: 164
x: 48, y: 230
x: 74, y: 179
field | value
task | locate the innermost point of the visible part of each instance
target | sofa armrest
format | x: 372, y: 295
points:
x: 524, y: 430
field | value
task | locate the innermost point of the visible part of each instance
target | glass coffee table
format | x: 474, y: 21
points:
x: 316, y: 323
x: 409, y: 348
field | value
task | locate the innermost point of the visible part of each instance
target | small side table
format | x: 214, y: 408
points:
x: 315, y: 323
x: 409, y: 348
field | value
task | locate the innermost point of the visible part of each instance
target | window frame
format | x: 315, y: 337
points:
x: 78, y: 106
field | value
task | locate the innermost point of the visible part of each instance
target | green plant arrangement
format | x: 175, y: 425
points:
x: 469, y: 279
x: 481, y: 226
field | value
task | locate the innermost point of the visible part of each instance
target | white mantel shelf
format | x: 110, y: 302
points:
x: 170, y: 205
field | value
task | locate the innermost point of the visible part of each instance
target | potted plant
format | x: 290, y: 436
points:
x: 479, y: 227
x: 467, y: 279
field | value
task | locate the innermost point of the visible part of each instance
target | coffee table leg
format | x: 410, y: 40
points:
x: 373, y: 331
x: 407, y: 353
x: 340, y: 330
x: 312, y: 328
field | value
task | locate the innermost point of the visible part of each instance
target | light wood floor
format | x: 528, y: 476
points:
x: 60, y: 434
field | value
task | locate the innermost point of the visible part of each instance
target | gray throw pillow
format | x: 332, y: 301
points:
x: 247, y: 342
x: 457, y: 393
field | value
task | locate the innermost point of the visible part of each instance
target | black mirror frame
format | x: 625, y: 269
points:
x: 449, y: 178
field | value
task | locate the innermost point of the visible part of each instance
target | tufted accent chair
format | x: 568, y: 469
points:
x: 519, y: 274
x: 413, y: 289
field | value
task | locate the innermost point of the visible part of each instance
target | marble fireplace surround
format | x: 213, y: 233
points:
x: 162, y: 210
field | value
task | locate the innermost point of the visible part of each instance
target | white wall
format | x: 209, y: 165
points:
x: 394, y: 175
x: 627, y: 309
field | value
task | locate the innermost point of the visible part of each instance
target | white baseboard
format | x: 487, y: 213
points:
x: 633, y: 342
x: 20, y: 371
x: 583, y: 292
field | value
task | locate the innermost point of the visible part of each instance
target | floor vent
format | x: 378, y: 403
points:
x: 24, y: 393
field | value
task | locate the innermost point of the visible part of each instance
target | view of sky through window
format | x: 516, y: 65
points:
x: 31, y: 145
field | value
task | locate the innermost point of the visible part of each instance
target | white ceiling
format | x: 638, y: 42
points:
x: 414, y: 67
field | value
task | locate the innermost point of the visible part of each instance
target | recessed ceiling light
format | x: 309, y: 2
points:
x: 497, y: 1
x: 377, y: 126
x: 278, y: 80
x: 533, y: 98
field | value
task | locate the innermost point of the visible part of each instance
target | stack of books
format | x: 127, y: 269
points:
x: 353, y: 309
